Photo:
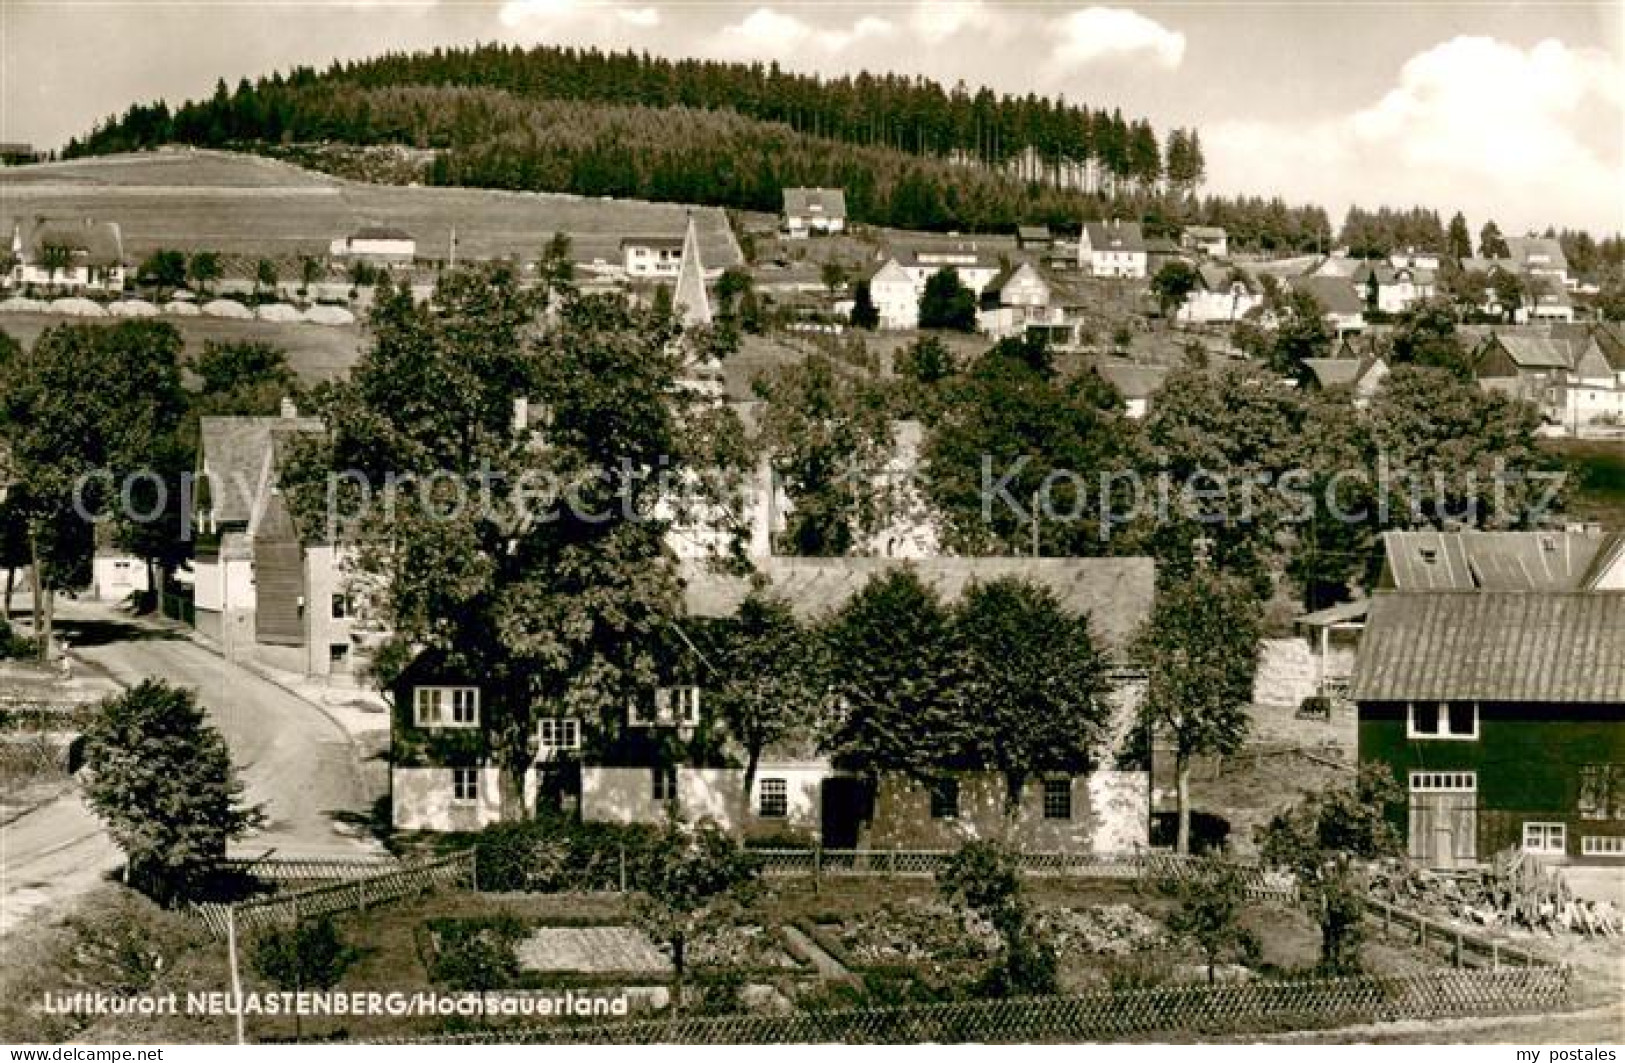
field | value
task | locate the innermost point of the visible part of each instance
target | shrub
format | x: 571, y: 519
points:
x: 557, y: 853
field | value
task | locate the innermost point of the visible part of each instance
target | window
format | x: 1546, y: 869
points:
x: 1602, y: 845
x: 465, y: 785
x: 670, y: 707
x: 945, y: 799
x: 446, y: 706
x: 663, y: 784
x: 1602, y: 791
x: 558, y: 732
x: 1057, y: 798
x: 1461, y: 782
x: 1448, y: 720
x: 774, y: 799
x: 341, y: 606
x: 1549, y: 838
x: 338, y: 654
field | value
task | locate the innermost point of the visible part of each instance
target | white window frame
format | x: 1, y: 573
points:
x: 1444, y: 734
x: 446, y: 707
x: 778, y: 789
x: 1609, y: 845
x: 1546, y: 830
x: 558, y: 734
x: 674, y: 706
x: 460, y: 777
x: 1444, y: 782
x: 663, y: 784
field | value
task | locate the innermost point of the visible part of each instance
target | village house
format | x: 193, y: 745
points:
x: 1412, y: 258
x: 1396, y: 288
x: 652, y: 257
x: 975, y: 266
x: 61, y: 253
x: 1036, y: 239
x: 381, y: 245
x: 1540, y: 256
x: 1209, y: 240
x: 1343, y: 309
x: 1016, y: 300
x: 1501, y: 714
x: 1360, y: 373
x: 1113, y: 249
x: 814, y: 211
x: 1221, y: 295
x: 1524, y: 365
x: 1583, y: 559
x: 1135, y: 383
x: 895, y: 296
x: 443, y: 779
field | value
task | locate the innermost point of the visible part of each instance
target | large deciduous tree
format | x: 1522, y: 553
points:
x: 161, y: 779
x: 1199, y: 649
x: 946, y: 303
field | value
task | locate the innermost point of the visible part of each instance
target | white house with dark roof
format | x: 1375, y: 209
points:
x: 1113, y: 249
x: 658, y: 257
x: 814, y: 211
x: 68, y: 253
x: 1209, y: 240
x: 1221, y: 295
x: 896, y: 296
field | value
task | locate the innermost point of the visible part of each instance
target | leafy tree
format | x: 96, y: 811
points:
x: 833, y: 275
x: 772, y: 684
x: 1456, y: 453
x: 557, y: 269
x: 1033, y: 669
x: 1426, y: 335
x: 478, y: 955
x: 1199, y: 648
x: 828, y: 436
x: 76, y: 444
x: 311, y: 270
x: 896, y: 677
x: 926, y: 361
x: 690, y: 876
x: 946, y: 303
x: 265, y: 275
x: 1211, y: 904
x: 1458, y: 241
x: 161, y: 779
x: 1039, y: 444
x: 163, y: 269
x: 243, y: 377
x: 1323, y: 840
x: 865, y: 315
x: 1511, y: 291
x: 1173, y: 283
x: 561, y: 599
x: 1301, y: 331
x: 1491, y: 244
x: 310, y: 955
x: 985, y: 878
x: 203, y: 269
x: 1610, y: 298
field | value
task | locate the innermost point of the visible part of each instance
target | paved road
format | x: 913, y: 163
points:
x: 293, y: 760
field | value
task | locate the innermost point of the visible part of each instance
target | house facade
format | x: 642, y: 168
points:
x: 896, y: 297
x: 1113, y: 249
x: 1221, y: 296
x: 638, y: 768
x: 654, y: 257
x: 1209, y: 240
x: 379, y: 244
x: 814, y: 211
x: 1501, y: 714
x: 79, y: 254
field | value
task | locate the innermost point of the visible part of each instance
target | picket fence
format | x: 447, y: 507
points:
x: 1188, y: 1010
x: 285, y: 909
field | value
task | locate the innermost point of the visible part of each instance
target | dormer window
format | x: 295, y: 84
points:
x: 446, y: 706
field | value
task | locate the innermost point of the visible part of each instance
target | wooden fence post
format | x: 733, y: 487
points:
x: 892, y: 864
x: 623, y: 866
x: 1458, y: 950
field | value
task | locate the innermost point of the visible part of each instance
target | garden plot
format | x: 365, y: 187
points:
x: 591, y: 949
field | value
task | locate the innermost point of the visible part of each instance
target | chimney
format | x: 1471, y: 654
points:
x: 288, y: 411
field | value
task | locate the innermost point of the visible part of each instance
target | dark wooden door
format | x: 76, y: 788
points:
x: 845, y: 805
x: 1444, y: 829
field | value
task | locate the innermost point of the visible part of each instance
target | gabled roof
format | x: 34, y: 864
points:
x: 1132, y: 381
x: 1216, y: 277
x: 1333, y: 372
x: 670, y: 243
x: 1114, y: 236
x: 1489, y: 561
x: 1026, y: 272
x: 1537, y: 252
x: 690, y: 301
x: 1334, y: 294
x: 380, y: 232
x: 957, y: 255
x: 891, y: 271
x: 824, y: 202
x: 1612, y: 345
x: 238, y: 454
x: 92, y: 243
x: 1534, y: 352
x: 1560, y: 647
x: 1115, y: 592
x: 1032, y: 232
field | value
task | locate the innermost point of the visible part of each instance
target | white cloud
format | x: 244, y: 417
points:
x: 774, y: 33
x: 1096, y: 33
x: 1528, y: 136
x: 517, y: 14
x: 938, y: 20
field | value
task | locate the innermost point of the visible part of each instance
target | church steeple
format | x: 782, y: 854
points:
x: 690, y: 302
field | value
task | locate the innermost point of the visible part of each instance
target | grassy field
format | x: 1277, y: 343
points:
x: 238, y: 204
x: 1596, y: 478
x: 316, y: 352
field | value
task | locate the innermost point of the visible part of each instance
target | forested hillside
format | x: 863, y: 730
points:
x: 909, y: 152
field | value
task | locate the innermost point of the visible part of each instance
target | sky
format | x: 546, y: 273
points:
x: 1514, y: 111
